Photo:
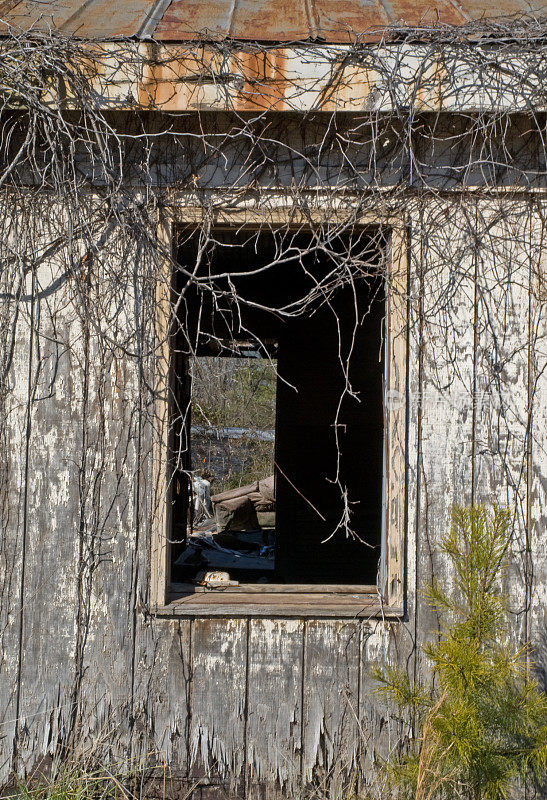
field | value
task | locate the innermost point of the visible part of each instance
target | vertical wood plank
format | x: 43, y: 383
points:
x: 14, y: 402
x: 501, y: 436
x: 537, y: 483
x: 380, y: 729
x: 444, y: 255
x: 162, y: 694
x: 274, y: 726
x: 219, y: 673
x: 49, y: 632
x: 112, y: 549
x: 331, y: 705
x: 107, y: 556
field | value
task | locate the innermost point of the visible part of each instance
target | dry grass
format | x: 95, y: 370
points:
x: 79, y: 781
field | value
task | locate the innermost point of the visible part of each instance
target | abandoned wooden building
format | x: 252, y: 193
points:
x: 343, y: 202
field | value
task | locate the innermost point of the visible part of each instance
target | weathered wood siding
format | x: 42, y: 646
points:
x: 251, y: 702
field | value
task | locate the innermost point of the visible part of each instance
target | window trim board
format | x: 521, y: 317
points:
x: 390, y: 594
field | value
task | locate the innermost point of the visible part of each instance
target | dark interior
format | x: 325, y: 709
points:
x: 311, y: 350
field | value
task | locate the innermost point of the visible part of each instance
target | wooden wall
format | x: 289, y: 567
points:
x: 251, y: 703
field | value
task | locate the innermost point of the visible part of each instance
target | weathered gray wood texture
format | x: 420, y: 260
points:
x: 247, y: 702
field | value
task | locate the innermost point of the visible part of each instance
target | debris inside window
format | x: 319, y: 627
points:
x: 232, y: 525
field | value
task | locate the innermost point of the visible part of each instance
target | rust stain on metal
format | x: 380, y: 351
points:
x: 268, y: 20
x: 96, y: 19
x: 330, y: 21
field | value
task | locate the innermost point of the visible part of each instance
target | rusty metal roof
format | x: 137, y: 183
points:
x: 332, y: 21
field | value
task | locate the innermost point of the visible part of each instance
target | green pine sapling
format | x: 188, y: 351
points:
x: 482, y: 724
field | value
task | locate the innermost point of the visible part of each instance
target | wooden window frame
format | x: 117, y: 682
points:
x: 388, y: 598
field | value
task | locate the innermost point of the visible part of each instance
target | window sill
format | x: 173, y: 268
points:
x: 288, y: 601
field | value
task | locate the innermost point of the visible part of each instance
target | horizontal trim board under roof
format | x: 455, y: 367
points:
x: 187, y: 77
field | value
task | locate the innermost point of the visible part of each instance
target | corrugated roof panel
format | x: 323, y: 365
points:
x: 267, y: 20
x: 183, y: 19
x: 123, y: 19
x: 409, y: 12
x: 89, y: 19
x: 254, y: 20
x: 40, y: 16
x: 341, y: 20
x: 497, y: 8
x: 294, y: 20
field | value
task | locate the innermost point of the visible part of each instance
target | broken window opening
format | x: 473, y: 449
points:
x: 278, y: 422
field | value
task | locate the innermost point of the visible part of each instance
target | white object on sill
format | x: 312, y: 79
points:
x: 215, y: 579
